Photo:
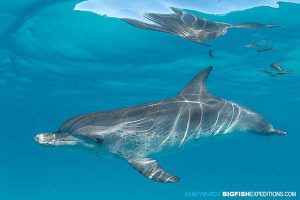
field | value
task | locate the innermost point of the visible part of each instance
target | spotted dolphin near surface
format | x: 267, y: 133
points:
x: 135, y: 133
x: 189, y: 26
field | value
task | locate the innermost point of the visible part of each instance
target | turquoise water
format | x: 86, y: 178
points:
x: 56, y: 62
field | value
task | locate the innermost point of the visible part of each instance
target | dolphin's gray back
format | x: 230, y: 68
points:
x: 148, y: 128
x: 129, y: 130
x: 116, y: 117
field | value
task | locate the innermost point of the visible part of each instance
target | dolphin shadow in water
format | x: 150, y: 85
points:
x: 189, y: 26
x: 279, y: 70
x: 267, y: 72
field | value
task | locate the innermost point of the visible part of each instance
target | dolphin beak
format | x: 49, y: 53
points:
x: 45, y: 138
x: 278, y: 131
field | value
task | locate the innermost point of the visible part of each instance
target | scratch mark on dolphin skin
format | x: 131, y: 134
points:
x: 231, y: 119
x: 217, y: 120
x: 195, y: 102
x: 173, y: 128
x: 168, y: 179
x: 223, y: 124
x: 187, y: 127
x: 200, y: 123
x: 196, y: 131
x: 155, y: 172
x: 235, y: 121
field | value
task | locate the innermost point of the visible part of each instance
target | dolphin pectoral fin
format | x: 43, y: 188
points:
x: 151, y: 169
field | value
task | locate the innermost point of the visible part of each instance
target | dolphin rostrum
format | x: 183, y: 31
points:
x: 136, y: 133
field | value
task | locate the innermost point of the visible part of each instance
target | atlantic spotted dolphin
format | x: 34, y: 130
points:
x: 189, y: 26
x: 136, y: 133
x: 280, y: 70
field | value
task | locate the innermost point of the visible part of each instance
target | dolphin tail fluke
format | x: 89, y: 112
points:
x: 150, y: 169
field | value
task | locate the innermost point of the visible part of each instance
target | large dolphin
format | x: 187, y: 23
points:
x: 135, y: 133
x: 189, y: 26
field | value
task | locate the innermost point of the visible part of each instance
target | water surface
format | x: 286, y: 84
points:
x: 57, y: 62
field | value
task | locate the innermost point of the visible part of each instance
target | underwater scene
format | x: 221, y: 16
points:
x: 162, y: 99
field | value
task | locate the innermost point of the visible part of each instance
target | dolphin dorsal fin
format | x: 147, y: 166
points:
x: 197, y: 86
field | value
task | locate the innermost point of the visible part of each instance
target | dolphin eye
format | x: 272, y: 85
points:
x: 99, y: 140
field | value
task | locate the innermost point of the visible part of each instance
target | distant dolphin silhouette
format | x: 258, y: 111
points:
x: 279, y: 69
x: 267, y: 72
x: 258, y: 43
x: 266, y: 49
x: 189, y: 26
x: 135, y: 133
x: 210, y: 53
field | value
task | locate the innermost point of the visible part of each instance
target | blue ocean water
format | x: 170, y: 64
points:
x: 56, y: 62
